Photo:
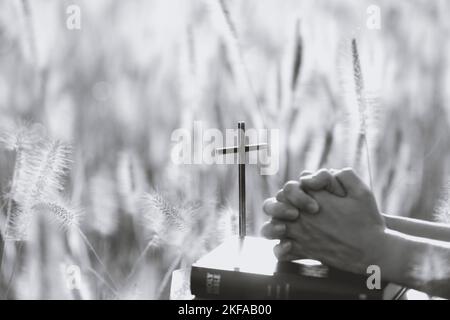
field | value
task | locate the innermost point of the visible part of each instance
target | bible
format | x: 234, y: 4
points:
x: 247, y: 269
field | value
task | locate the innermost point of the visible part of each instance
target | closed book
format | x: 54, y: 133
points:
x: 247, y: 269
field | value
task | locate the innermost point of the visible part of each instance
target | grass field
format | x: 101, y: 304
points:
x: 93, y: 208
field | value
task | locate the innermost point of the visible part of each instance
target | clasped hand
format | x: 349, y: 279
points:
x: 331, y: 216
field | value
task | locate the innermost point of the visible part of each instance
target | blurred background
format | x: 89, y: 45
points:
x: 93, y: 207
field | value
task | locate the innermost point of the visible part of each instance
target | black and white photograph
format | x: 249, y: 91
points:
x: 246, y: 151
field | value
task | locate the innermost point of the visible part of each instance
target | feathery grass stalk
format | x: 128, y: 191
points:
x: 369, y: 166
x: 168, y: 274
x: 49, y: 179
x: 102, y: 280
x: 39, y: 179
x: 326, y: 149
x: 45, y: 169
x: 23, y: 143
x: 191, y: 50
x: 294, y: 110
x: 104, y: 206
x: 362, y: 109
x: 28, y: 20
x: 14, y: 270
x: 359, y: 86
x: 138, y: 261
x: 172, y: 267
x: 163, y: 219
x: 65, y: 216
x: 68, y: 217
x: 298, y: 56
x: 329, y: 137
x: 279, y: 88
x: 91, y: 248
x: 396, y: 166
x: 17, y: 167
x: 158, y: 202
x: 131, y: 181
x: 17, y: 146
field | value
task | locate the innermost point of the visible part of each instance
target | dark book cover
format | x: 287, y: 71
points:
x: 248, y: 269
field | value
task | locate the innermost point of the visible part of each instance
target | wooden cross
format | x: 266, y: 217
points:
x: 241, y: 149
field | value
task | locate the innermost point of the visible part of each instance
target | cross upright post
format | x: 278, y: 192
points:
x: 241, y: 149
x: 241, y: 153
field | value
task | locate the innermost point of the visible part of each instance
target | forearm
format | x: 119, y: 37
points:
x: 419, y: 228
x: 416, y: 263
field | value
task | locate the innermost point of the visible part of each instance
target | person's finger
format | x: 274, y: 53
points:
x: 282, y: 249
x: 292, y: 230
x: 280, y: 210
x: 273, y: 230
x: 288, y: 257
x: 305, y: 173
x: 323, y: 180
x: 289, y: 250
x: 336, y: 187
x: 299, y: 250
x: 317, y: 181
x: 350, y: 181
x: 298, y: 198
x: 281, y: 197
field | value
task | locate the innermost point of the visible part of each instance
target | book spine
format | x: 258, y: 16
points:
x: 222, y: 284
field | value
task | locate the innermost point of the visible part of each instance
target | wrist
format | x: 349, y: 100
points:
x: 393, y: 252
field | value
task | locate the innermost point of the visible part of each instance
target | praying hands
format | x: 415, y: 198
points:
x: 332, y: 216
